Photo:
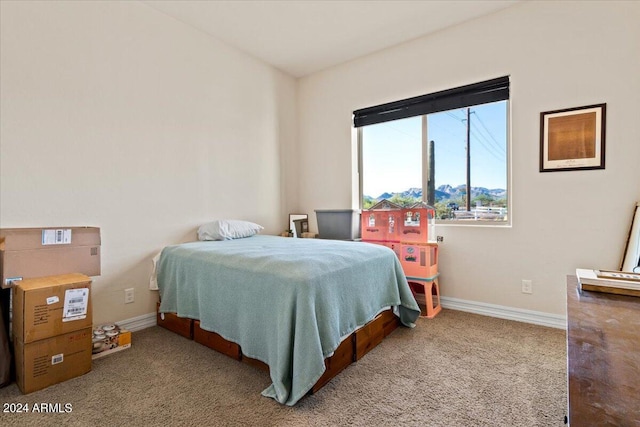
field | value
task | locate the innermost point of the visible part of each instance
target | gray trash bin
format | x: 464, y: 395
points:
x: 338, y: 224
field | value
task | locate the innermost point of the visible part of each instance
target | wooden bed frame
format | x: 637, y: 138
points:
x: 352, y: 349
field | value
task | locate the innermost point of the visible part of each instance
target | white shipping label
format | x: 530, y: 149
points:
x: 76, y: 302
x: 56, y: 237
x: 52, y: 300
x: 57, y: 358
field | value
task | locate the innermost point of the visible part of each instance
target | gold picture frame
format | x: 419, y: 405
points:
x: 573, y: 138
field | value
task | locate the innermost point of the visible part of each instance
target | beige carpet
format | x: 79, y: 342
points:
x: 458, y: 369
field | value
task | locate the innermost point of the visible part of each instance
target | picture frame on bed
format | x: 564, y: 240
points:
x: 573, y: 138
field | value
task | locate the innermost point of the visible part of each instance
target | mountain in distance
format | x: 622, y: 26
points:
x: 412, y: 192
x: 445, y: 192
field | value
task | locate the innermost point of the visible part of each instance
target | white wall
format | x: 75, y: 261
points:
x: 115, y: 115
x: 118, y: 116
x: 559, y: 55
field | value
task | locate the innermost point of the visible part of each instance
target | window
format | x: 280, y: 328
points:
x: 438, y: 148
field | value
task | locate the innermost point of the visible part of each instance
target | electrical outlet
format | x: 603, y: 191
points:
x: 527, y: 287
x: 128, y: 296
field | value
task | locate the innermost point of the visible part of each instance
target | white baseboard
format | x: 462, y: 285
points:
x: 493, y: 310
x: 503, y: 312
x: 138, y: 323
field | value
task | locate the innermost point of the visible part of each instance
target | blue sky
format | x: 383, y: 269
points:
x: 392, y: 151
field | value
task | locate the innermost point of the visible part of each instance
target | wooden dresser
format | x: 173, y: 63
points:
x: 603, y: 351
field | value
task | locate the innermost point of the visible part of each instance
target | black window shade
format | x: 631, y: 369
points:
x: 474, y: 94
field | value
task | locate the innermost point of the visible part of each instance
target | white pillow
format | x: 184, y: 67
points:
x: 227, y: 229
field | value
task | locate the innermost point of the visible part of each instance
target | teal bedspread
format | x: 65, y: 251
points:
x: 286, y: 302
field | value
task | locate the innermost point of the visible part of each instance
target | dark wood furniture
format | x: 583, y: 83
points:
x: 603, y: 351
x: 352, y: 348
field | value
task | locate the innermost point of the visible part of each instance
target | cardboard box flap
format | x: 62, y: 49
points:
x: 26, y: 253
x: 16, y: 239
x: 28, y: 264
x: 51, y: 281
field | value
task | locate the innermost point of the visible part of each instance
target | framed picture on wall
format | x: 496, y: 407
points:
x: 573, y: 138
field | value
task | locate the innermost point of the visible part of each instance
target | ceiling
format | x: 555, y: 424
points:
x: 301, y: 37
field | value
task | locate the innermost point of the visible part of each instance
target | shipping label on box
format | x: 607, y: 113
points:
x: 108, y: 339
x: 76, y: 303
x: 50, y: 306
x: 20, y: 239
x: 42, y: 363
x: 60, y: 236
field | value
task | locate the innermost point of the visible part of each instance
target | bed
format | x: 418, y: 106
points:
x: 289, y: 304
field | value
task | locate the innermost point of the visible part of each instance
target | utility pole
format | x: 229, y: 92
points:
x: 426, y: 160
x: 468, y: 159
x: 431, y: 182
x: 428, y: 166
x: 428, y: 174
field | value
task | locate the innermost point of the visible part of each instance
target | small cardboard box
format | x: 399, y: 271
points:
x: 35, y: 252
x: 50, y: 361
x: 50, y: 306
x: 109, y: 341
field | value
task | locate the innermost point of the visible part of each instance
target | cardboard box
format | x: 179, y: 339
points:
x: 107, y: 341
x: 35, y: 252
x: 50, y: 361
x: 50, y: 306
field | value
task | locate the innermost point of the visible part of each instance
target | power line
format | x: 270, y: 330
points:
x: 491, y: 142
x: 481, y: 139
x: 487, y: 130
